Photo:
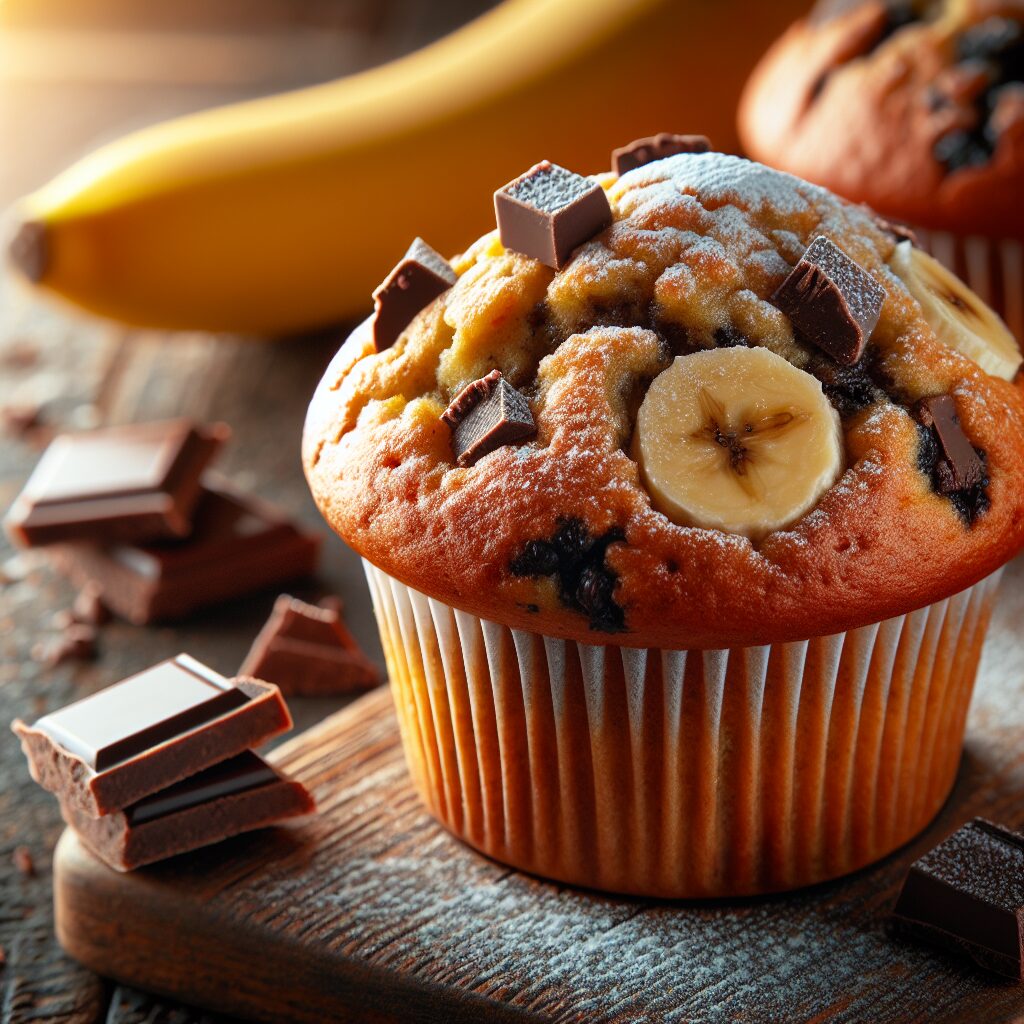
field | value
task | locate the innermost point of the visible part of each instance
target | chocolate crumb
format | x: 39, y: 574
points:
x: 89, y: 608
x: 22, y: 859
x: 21, y: 420
x: 76, y: 643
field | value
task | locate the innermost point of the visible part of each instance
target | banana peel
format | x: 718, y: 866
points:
x: 280, y: 215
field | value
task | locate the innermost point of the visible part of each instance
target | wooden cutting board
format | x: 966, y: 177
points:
x: 370, y: 912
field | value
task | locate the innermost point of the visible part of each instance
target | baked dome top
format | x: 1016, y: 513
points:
x: 914, y: 108
x: 558, y: 533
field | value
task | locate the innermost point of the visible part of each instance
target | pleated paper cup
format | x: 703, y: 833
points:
x: 992, y: 268
x: 682, y: 773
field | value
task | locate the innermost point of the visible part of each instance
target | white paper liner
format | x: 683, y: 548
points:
x: 991, y: 267
x: 682, y: 773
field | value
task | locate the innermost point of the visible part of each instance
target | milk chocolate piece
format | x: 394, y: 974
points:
x: 130, y: 483
x: 415, y: 282
x: 833, y: 302
x: 656, y: 147
x: 233, y: 797
x: 238, y: 545
x: 485, y: 415
x: 549, y: 211
x: 107, y: 751
x: 960, y: 467
x: 308, y: 651
x: 967, y: 896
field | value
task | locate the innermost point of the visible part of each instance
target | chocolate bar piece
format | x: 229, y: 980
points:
x: 549, y: 211
x: 419, y: 278
x: 226, y: 800
x: 308, y: 651
x: 656, y: 147
x: 132, y: 483
x: 960, y: 467
x: 485, y: 415
x: 108, y: 751
x: 238, y: 545
x: 967, y: 895
x: 833, y: 302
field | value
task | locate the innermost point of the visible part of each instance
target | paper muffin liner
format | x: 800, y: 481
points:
x: 991, y: 267
x: 682, y: 773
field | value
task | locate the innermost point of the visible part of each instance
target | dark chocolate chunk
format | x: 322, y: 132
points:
x: 415, y: 282
x: 137, y: 482
x: 309, y: 651
x: 549, y: 211
x: 967, y: 896
x: 239, y: 544
x: 832, y: 301
x: 656, y: 147
x: 900, y: 232
x: 959, y: 468
x: 849, y: 388
x: 228, y: 799
x: 109, y: 750
x: 485, y: 415
x: 577, y: 561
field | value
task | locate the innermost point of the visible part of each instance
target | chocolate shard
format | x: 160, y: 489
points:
x: 308, y: 650
x: 107, y: 751
x: 485, y: 415
x: 959, y: 468
x: 549, y: 211
x: 418, y: 279
x: 831, y: 300
x: 967, y: 896
x: 225, y: 800
x: 656, y: 147
x: 131, y: 483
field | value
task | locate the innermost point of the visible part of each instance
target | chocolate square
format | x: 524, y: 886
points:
x: 832, y: 301
x: 548, y: 212
x: 967, y: 896
x: 960, y: 467
x: 485, y: 415
x: 412, y: 285
x: 656, y: 147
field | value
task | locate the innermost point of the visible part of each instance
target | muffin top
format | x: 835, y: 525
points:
x: 916, y: 108
x: 666, y: 457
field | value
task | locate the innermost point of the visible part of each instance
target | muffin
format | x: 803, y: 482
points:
x: 916, y: 109
x: 682, y: 553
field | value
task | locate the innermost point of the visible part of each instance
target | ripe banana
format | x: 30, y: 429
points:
x: 957, y: 316
x: 737, y: 439
x: 282, y: 214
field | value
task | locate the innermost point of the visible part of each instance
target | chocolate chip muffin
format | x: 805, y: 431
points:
x: 682, y: 552
x: 916, y: 108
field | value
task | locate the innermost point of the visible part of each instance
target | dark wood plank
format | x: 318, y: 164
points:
x: 371, y: 911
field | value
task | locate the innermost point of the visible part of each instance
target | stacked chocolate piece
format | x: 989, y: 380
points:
x: 161, y: 763
x: 133, y: 514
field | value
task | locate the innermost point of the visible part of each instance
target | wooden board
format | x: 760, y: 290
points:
x: 371, y: 912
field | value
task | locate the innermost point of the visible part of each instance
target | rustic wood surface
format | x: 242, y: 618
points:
x: 64, y: 88
x: 372, y: 912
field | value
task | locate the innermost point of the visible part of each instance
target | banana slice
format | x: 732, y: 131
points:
x: 737, y: 439
x: 957, y: 316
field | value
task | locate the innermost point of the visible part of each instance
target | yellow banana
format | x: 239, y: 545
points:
x: 281, y: 214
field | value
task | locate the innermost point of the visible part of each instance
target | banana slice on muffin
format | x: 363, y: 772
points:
x: 957, y: 316
x: 737, y: 439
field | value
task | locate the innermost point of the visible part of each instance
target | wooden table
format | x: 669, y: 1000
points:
x: 63, y: 89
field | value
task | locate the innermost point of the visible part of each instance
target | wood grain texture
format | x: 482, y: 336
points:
x: 372, y: 912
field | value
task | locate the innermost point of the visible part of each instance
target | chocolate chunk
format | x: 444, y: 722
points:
x: 107, y: 751
x: 967, y: 896
x: 137, y: 482
x: 959, y: 468
x: 900, y: 232
x: 832, y: 301
x: 238, y: 545
x: 485, y: 415
x: 308, y: 651
x: 236, y: 796
x: 656, y: 147
x: 416, y: 281
x: 577, y: 562
x: 849, y: 388
x: 549, y: 211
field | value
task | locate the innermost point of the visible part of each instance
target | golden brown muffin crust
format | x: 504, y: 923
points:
x: 698, y: 245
